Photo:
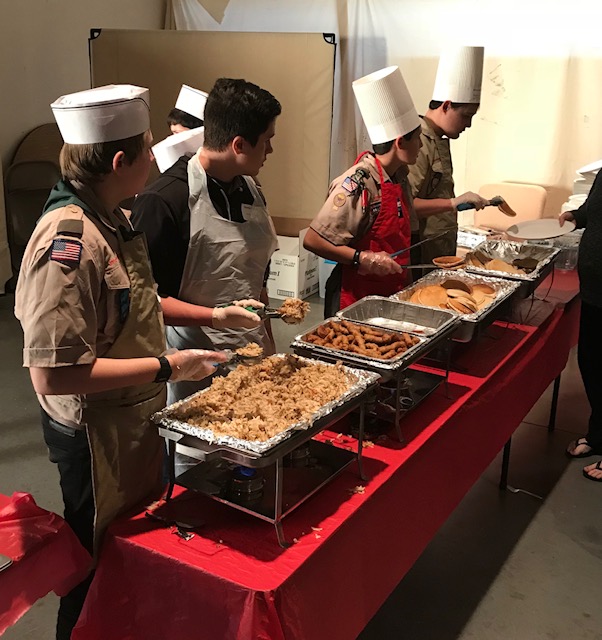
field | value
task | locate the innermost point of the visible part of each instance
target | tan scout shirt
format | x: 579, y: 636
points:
x: 341, y: 220
x: 70, y: 315
x: 432, y: 177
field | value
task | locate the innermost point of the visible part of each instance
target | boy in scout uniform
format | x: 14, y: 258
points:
x: 369, y: 214
x: 92, y: 323
x: 456, y: 98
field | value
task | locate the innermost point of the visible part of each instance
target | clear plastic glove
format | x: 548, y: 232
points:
x: 235, y: 317
x: 473, y: 198
x: 567, y: 216
x: 193, y: 364
x: 377, y: 264
x: 249, y: 302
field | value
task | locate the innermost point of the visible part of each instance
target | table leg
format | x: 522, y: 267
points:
x: 554, y: 405
x: 278, y: 505
x: 505, y: 464
x: 360, y: 441
x: 398, y: 408
x: 171, y: 461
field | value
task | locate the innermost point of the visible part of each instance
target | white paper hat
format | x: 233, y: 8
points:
x: 192, y: 101
x: 112, y: 112
x: 460, y: 75
x: 173, y: 147
x: 386, y: 105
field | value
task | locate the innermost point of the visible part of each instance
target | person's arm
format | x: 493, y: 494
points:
x: 315, y: 243
x: 105, y: 374
x: 425, y: 207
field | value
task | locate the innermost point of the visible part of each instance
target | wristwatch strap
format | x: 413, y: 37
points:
x: 165, y: 370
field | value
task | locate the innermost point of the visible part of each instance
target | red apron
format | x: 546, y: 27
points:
x: 389, y: 233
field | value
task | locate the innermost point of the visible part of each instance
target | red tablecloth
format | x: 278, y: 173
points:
x: 233, y: 582
x: 46, y: 556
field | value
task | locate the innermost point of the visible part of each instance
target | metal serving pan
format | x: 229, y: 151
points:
x: 382, y: 367
x: 395, y: 315
x: 470, y: 323
x: 168, y: 419
x: 509, y: 251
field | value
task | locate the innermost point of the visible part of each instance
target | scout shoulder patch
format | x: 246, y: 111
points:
x: 339, y: 200
x: 66, y: 251
x: 350, y: 185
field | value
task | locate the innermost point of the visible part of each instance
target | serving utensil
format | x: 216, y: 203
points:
x: 496, y: 201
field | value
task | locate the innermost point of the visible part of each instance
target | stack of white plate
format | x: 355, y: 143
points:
x: 582, y: 185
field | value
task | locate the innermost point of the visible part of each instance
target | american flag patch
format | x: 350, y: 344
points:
x: 66, y: 252
x: 350, y: 185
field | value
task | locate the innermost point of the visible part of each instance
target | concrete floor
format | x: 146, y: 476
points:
x: 505, y: 566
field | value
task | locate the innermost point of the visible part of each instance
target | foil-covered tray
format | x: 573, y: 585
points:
x: 167, y: 418
x: 300, y: 344
x: 504, y: 289
x: 508, y: 252
x: 395, y: 315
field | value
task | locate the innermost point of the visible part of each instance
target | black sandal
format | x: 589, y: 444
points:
x: 599, y: 467
x: 580, y: 442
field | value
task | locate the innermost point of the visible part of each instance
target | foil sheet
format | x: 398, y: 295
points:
x: 166, y: 417
x: 503, y: 289
x: 357, y: 359
x: 509, y: 251
x: 394, y: 315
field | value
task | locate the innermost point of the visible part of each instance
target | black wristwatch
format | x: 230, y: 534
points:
x: 165, y: 370
x: 355, y: 262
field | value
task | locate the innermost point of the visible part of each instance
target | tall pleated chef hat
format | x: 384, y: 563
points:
x: 460, y: 75
x: 104, y: 114
x: 192, y: 101
x: 386, y: 105
x: 168, y: 151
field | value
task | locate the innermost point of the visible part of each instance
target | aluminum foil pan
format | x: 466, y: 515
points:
x: 357, y: 359
x: 509, y: 251
x: 503, y: 289
x: 167, y: 417
x: 394, y: 315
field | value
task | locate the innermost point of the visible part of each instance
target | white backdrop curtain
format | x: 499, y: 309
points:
x: 541, y: 107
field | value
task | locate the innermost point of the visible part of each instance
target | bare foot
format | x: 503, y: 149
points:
x: 593, y: 471
x: 579, y: 449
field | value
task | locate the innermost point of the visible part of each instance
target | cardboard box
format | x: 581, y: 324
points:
x: 294, y: 270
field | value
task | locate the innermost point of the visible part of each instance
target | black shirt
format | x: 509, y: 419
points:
x: 589, y: 216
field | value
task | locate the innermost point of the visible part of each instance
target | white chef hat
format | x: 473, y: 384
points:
x: 104, y: 114
x: 192, y: 101
x: 386, y: 105
x: 460, y: 75
x: 175, y: 146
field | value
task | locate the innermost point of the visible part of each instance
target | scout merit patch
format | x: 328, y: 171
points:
x: 66, y: 251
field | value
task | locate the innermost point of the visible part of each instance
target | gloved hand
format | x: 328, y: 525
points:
x: 193, y: 364
x: 377, y: 264
x: 470, y: 197
x: 236, y: 316
x: 566, y: 216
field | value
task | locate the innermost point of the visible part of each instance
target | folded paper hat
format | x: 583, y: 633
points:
x: 460, y: 75
x: 386, y: 105
x: 104, y: 114
x: 168, y: 151
x: 192, y: 101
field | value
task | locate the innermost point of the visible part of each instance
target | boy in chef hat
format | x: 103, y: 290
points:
x: 93, y: 327
x: 189, y: 112
x: 455, y: 101
x: 368, y: 213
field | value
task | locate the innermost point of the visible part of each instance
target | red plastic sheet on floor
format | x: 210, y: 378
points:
x: 45, y: 552
x: 233, y: 582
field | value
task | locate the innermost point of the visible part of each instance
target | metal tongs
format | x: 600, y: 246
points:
x: 239, y: 358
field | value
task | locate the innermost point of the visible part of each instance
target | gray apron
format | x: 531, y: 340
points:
x: 225, y: 261
x: 127, y: 452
